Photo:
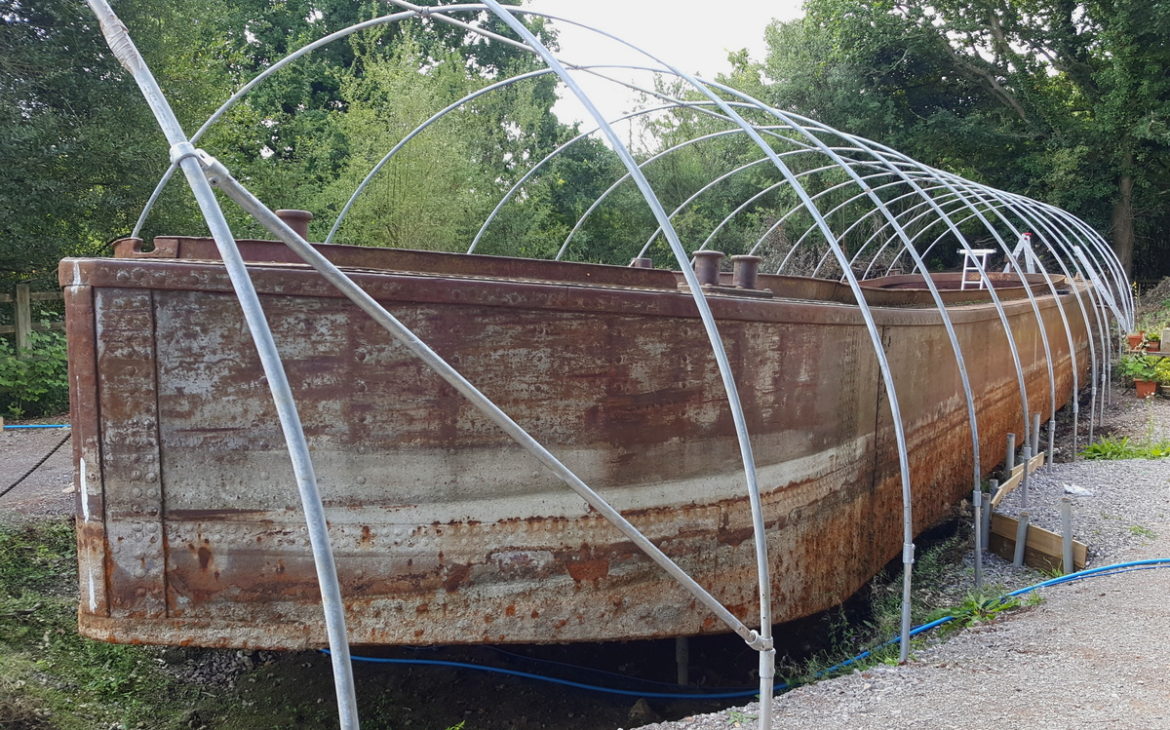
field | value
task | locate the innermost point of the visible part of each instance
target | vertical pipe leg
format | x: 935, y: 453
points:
x: 1051, y: 442
x: 977, y: 505
x: 1024, y: 478
x: 1035, y: 434
x: 1010, y: 460
x: 987, y: 510
x: 1066, y: 538
x: 682, y: 660
x: 1021, y: 540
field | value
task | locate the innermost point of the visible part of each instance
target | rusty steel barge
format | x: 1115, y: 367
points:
x: 444, y: 531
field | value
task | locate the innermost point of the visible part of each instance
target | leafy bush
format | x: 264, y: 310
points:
x: 1162, y: 371
x: 34, y: 382
x: 1139, y: 367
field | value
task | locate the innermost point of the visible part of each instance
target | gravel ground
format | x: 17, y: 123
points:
x: 1092, y: 654
x: 48, y: 489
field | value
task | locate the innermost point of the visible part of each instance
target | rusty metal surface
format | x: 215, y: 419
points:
x: 444, y: 531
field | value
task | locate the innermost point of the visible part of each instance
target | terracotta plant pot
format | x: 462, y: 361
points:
x: 1145, y: 388
x: 1153, y: 346
x: 1133, y: 340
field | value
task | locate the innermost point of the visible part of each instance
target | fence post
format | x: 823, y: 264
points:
x: 22, y: 306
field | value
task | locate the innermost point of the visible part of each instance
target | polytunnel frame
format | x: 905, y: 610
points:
x: 183, y: 156
x: 989, y: 286
x: 887, y: 377
x: 191, y: 160
x: 984, y: 194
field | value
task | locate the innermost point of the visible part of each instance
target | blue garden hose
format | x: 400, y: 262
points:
x: 1105, y: 570
x: 40, y: 425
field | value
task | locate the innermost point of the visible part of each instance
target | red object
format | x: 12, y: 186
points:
x: 1134, y: 340
x: 1145, y: 388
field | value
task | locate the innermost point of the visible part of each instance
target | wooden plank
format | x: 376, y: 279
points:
x: 44, y: 296
x: 1043, y: 549
x: 1017, y: 476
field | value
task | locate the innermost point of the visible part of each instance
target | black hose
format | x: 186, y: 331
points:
x: 35, y: 466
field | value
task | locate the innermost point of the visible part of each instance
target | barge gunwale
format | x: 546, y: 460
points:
x: 374, y: 269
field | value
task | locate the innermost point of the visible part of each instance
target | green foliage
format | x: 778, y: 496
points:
x: 1107, y: 449
x: 78, y: 682
x: 1139, y: 367
x: 1162, y: 371
x: 34, y: 557
x: 1142, y: 531
x: 975, y: 609
x: 34, y: 382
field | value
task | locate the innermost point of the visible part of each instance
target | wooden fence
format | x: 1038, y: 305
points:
x: 23, y: 324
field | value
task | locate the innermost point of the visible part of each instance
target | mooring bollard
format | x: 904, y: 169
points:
x: 977, y: 505
x: 1021, y: 540
x: 1066, y: 537
x: 1010, y: 461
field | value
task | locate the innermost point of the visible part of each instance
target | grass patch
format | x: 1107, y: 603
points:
x: 52, y: 677
x: 1108, y: 448
x: 1142, y: 531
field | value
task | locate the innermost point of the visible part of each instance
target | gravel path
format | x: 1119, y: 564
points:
x: 47, y: 491
x: 1094, y: 653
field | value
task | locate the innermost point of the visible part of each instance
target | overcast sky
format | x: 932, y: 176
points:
x: 694, y: 36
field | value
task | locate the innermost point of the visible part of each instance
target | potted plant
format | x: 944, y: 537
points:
x: 1134, y: 340
x: 1162, y: 373
x: 1153, y: 342
x: 1142, y: 370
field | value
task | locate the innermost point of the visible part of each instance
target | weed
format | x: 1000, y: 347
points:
x: 1142, y: 531
x: 975, y: 609
x: 737, y: 718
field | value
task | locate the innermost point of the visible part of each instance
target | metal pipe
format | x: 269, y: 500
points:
x: 182, y: 153
x: 985, y: 525
x: 1010, y: 461
x: 1024, y: 477
x: 1021, y: 539
x: 1066, y: 537
x: 977, y: 508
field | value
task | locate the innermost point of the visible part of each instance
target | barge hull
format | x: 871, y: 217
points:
x: 190, y: 530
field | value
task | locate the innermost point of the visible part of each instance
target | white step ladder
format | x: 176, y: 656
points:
x: 974, y: 262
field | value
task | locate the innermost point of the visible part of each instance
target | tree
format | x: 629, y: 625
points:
x: 1064, y: 101
x: 78, y: 148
